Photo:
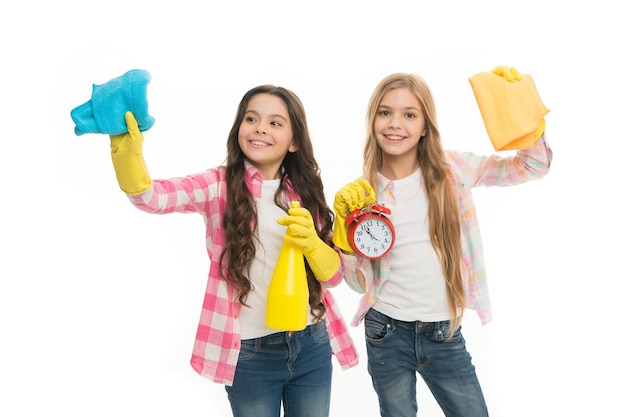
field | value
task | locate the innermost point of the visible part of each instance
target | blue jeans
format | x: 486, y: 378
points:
x: 398, y: 350
x: 293, y: 368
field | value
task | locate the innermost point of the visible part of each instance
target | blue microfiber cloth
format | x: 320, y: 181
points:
x: 104, y: 113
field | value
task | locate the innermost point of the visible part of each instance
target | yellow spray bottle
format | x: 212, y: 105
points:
x: 288, y: 292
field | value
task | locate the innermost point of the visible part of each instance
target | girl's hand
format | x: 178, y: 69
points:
x: 508, y: 73
x: 300, y: 229
x: 353, y: 196
x: 322, y: 259
x: 127, y: 156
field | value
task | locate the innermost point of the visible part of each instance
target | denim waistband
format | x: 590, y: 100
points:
x: 282, y: 337
x: 409, y: 325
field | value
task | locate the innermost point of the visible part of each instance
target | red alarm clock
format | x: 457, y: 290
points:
x: 370, y: 231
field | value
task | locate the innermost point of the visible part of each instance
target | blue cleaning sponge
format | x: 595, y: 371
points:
x: 104, y: 113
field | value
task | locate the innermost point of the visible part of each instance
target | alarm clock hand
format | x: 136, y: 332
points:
x: 321, y: 257
x: 352, y: 196
x: 369, y: 232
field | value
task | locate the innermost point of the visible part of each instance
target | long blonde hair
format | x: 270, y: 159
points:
x: 443, y: 210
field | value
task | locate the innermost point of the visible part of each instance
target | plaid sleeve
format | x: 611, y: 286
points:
x: 496, y: 170
x: 349, y: 265
x: 181, y: 195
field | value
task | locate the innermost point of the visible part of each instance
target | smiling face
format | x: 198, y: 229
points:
x: 399, y: 125
x: 265, y: 134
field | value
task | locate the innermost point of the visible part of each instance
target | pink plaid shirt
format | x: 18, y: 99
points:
x: 218, y: 339
x: 465, y: 171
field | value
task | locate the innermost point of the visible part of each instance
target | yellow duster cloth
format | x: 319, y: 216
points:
x: 512, y: 110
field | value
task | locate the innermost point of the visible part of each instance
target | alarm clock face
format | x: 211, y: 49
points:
x: 372, y: 236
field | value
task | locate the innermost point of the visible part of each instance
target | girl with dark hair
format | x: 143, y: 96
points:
x: 246, y: 208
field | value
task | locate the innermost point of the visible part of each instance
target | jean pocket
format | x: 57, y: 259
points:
x: 376, y: 332
x: 441, y: 332
x: 319, y: 332
x: 248, y: 349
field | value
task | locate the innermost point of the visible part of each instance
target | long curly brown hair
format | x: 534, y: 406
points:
x: 443, y: 210
x: 299, y: 170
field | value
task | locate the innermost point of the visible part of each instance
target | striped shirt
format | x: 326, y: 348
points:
x: 218, y: 339
x: 465, y: 171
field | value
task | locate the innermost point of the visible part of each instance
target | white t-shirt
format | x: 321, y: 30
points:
x: 416, y: 289
x: 252, y: 318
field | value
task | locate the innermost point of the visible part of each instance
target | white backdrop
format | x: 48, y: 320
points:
x: 99, y: 302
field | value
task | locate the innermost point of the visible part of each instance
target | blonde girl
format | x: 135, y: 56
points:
x: 415, y: 296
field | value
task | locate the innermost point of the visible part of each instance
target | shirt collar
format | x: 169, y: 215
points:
x: 254, y: 179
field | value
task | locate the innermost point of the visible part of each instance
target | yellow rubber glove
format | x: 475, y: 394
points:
x: 352, y: 196
x: 127, y: 155
x: 508, y: 73
x: 511, y: 74
x: 540, y: 129
x: 322, y: 259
